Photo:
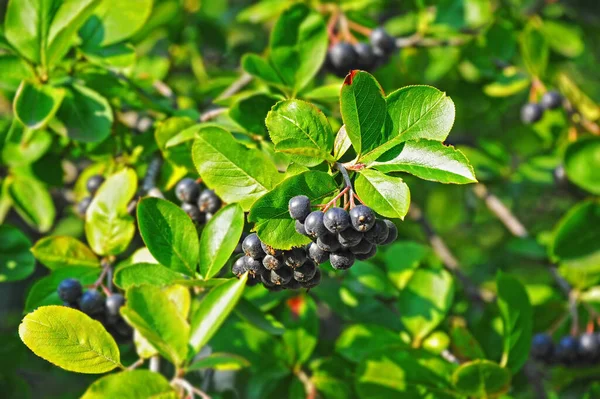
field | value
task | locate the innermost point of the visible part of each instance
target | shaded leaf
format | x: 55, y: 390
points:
x: 16, y: 262
x: 57, y: 252
x: 145, y: 274
x: 220, y: 362
x: 34, y: 104
x: 481, y: 378
x: 131, y: 384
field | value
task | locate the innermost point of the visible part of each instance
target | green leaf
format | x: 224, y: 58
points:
x: 250, y: 112
x: 169, y: 234
x: 341, y: 144
x: 359, y: 340
x: 42, y: 31
x: 171, y: 128
x: 34, y: 104
x: 389, y: 196
x: 220, y: 362
x: 219, y: 239
x: 157, y: 318
x: 506, y: 86
x: 425, y: 300
x: 213, y: 310
x: 534, y: 50
x: 236, y: 173
x: 414, y: 112
x: 113, y: 22
x: 402, y: 258
x: 582, y: 164
x: 261, y: 68
x: 253, y: 315
x: 33, y: 202
x: 576, y: 240
x: 43, y: 291
x: 517, y: 321
x: 108, y: 226
x: 23, y: 147
x: 464, y: 345
x: 57, y: 252
x: 300, y: 130
x: 131, y: 384
x: 145, y: 274
x: 16, y: 262
x: 428, y: 160
x: 580, y: 100
x: 270, y: 214
x: 70, y: 339
x: 481, y: 379
x: 405, y: 373
x: 120, y: 55
x: 301, y: 330
x: 566, y: 39
x: 298, y: 45
x: 84, y: 115
x: 363, y: 108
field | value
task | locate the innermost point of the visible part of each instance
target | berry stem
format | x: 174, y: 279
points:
x: 331, y: 24
x: 136, y: 364
x: 106, y: 265
x: 347, y: 182
x: 334, y: 200
x: 345, y: 30
x: 363, y: 30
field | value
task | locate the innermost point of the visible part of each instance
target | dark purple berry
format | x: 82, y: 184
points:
x: 336, y: 220
x: 253, y: 266
x: 392, y: 232
x: 362, y: 218
x: 381, y: 40
x: 328, y: 243
x: 365, y: 56
x: 300, y: 228
x: 317, y: 254
x: 281, y: 276
x: 363, y: 247
x: 342, y: 57
x: 194, y: 213
x: 305, y: 272
x: 378, y: 234
x: 239, y: 267
x: 91, y: 302
x: 313, y: 282
x: 567, y: 350
x: 187, y: 190
x: 588, y: 348
x: 342, y: 260
x: 551, y: 100
x: 299, y: 207
x: 295, y: 257
x: 209, y: 202
x: 270, y: 262
x: 94, y: 183
x: 83, y: 205
x: 252, y: 246
x: 313, y: 224
x: 70, y: 290
x: 531, y: 113
x: 372, y: 252
x: 349, y: 238
x: 269, y: 250
x: 114, y: 303
x: 253, y: 280
x: 292, y: 285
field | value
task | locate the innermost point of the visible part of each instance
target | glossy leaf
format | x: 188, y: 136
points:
x: 219, y: 239
x: 169, y: 234
x: 428, y: 160
x: 236, y: 173
x: 70, y: 339
x: 108, y: 227
x: 22, y: 147
x: 582, y: 164
x: 270, y: 214
x: 35, y: 104
x: 341, y: 143
x: 250, y: 112
x: 481, y: 379
x: 300, y: 130
x: 145, y: 274
x: 253, y: 315
x: 534, y: 49
x: 156, y: 317
x: 57, y: 252
x: 16, y: 262
x: 131, y: 385
x: 213, y: 310
x: 261, y: 68
x: 359, y: 341
x: 220, y: 362
x: 387, y: 195
x: 33, y: 202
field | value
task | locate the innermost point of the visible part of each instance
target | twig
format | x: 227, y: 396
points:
x: 236, y: 86
x: 106, y: 265
x: 165, y: 91
x: 136, y: 364
x: 154, y: 365
x: 190, y: 389
x: 449, y: 356
x: 501, y: 211
x: 309, y: 386
x: 151, y: 175
x: 571, y: 294
x: 212, y: 114
x: 448, y: 259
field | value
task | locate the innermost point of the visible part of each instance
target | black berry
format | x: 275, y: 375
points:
x: 91, y: 302
x: 209, y: 202
x: 94, y: 183
x: 300, y: 228
x: 531, y: 113
x: 349, y: 238
x: 187, y: 190
x: 566, y: 350
x: 372, y: 252
x: 239, y: 267
x: 295, y: 257
x: 336, y: 220
x: 305, y: 272
x: 272, y: 263
x: 252, y: 246
x: 342, y: 57
x: 114, y: 303
x: 378, y: 234
x: 83, y: 205
x: 392, y: 232
x: 253, y: 280
x: 363, y: 247
x: 313, y: 282
x: 328, y: 242
x: 542, y: 347
x: 299, y: 207
x: 365, y: 56
x: 362, y: 218
x: 588, y: 348
x: 314, y: 224
x: 342, y: 260
x: 317, y: 254
x: 381, y: 40
x: 293, y: 285
x: 551, y: 100
x: 281, y: 276
x: 194, y: 213
x: 253, y: 266
x: 70, y: 290
x: 269, y: 250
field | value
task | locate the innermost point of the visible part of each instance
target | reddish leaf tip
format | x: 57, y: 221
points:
x: 350, y: 77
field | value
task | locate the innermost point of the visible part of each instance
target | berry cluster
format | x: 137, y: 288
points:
x: 533, y: 112
x: 92, y: 185
x: 199, y: 204
x: 339, y: 237
x: 94, y: 304
x: 343, y: 57
x: 569, y: 351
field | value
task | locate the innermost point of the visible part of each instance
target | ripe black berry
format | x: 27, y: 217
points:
x: 295, y: 257
x: 349, y: 238
x: 272, y: 263
x: 252, y: 246
x: 378, y: 234
x: 566, y: 350
x: 269, y: 250
x: 336, y: 220
x: 208, y: 201
x: 94, y: 183
x: 281, y: 276
x: 300, y: 228
x: 114, y: 303
x: 317, y: 254
x: 253, y: 280
x: 293, y: 285
x: 363, y: 247
x: 187, y: 190
x: 305, y: 272
x: 365, y: 56
x: 342, y: 57
x: 239, y: 267
x: 253, y: 266
x: 328, y: 243
x: 531, y: 113
x: 313, y: 282
x: 194, y: 213
x: 588, y: 348
x: 392, y: 232
x: 83, y: 205
x: 313, y: 224
x: 381, y: 40
x: 69, y: 290
x: 542, y: 347
x: 362, y: 218
x: 299, y: 207
x: 551, y: 100
x: 73, y: 305
x: 372, y: 252
x: 342, y: 260
x: 91, y: 302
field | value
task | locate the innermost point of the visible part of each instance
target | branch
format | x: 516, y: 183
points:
x: 212, y: 114
x: 309, y: 386
x: 154, y: 364
x: 189, y: 388
x: 448, y: 259
x: 236, y: 86
x: 501, y: 211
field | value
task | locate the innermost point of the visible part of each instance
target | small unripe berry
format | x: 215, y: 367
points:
x: 362, y: 218
x: 299, y: 207
x: 531, y: 113
x: 313, y: 224
x: 336, y: 220
x: 70, y: 290
x: 252, y: 246
x: 94, y: 183
x: 342, y: 260
x: 187, y: 190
